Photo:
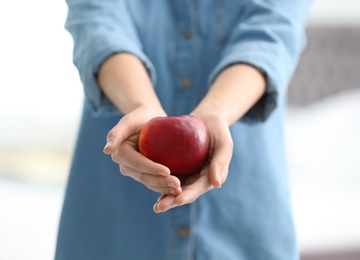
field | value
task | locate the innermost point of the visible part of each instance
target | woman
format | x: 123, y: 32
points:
x: 227, y: 62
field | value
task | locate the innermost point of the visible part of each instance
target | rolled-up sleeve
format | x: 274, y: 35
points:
x: 100, y: 29
x: 269, y: 36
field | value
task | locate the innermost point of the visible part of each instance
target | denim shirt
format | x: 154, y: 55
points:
x: 184, y: 45
x: 267, y: 34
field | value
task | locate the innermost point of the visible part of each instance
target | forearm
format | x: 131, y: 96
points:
x: 235, y: 90
x: 125, y: 81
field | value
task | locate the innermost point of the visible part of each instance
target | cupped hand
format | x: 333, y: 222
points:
x: 122, y: 144
x: 214, y: 172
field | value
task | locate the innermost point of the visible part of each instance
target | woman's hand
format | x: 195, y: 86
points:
x: 213, y: 174
x: 122, y: 144
x: 234, y: 91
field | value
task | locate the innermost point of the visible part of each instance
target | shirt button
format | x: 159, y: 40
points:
x: 186, y: 34
x: 185, y: 83
x: 183, y: 232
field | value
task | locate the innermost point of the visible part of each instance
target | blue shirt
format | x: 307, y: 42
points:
x: 184, y: 45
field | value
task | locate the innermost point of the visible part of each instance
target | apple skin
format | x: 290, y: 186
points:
x: 179, y: 142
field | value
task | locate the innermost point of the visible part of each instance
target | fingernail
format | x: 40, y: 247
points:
x: 157, y: 207
x: 162, y: 173
x: 172, y: 192
x: 171, y: 185
x: 219, y: 180
x: 107, y: 144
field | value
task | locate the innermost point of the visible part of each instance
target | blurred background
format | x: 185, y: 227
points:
x: 40, y: 105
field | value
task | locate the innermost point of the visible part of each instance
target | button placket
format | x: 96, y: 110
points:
x: 183, y: 60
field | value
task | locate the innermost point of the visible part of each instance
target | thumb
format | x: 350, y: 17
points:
x: 219, y: 164
x: 119, y: 133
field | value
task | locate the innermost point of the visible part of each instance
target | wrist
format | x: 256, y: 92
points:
x: 125, y: 81
x: 155, y: 109
x: 233, y: 93
x: 207, y: 111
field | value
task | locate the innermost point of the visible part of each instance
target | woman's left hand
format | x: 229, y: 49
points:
x: 214, y: 172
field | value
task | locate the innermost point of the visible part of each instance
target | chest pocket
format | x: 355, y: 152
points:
x: 228, y: 15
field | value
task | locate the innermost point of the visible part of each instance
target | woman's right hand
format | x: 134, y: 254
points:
x: 122, y: 145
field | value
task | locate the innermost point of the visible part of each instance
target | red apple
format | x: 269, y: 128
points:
x: 179, y: 142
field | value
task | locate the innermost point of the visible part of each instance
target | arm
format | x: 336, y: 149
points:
x: 125, y: 81
x: 268, y: 37
x: 233, y: 93
x: 107, y: 52
x: 100, y: 30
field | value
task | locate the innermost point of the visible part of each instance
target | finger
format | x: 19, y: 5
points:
x: 125, y: 128
x: 127, y: 156
x: 193, y: 191
x: 165, y: 202
x: 166, y: 185
x: 220, y: 161
x: 188, y: 195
